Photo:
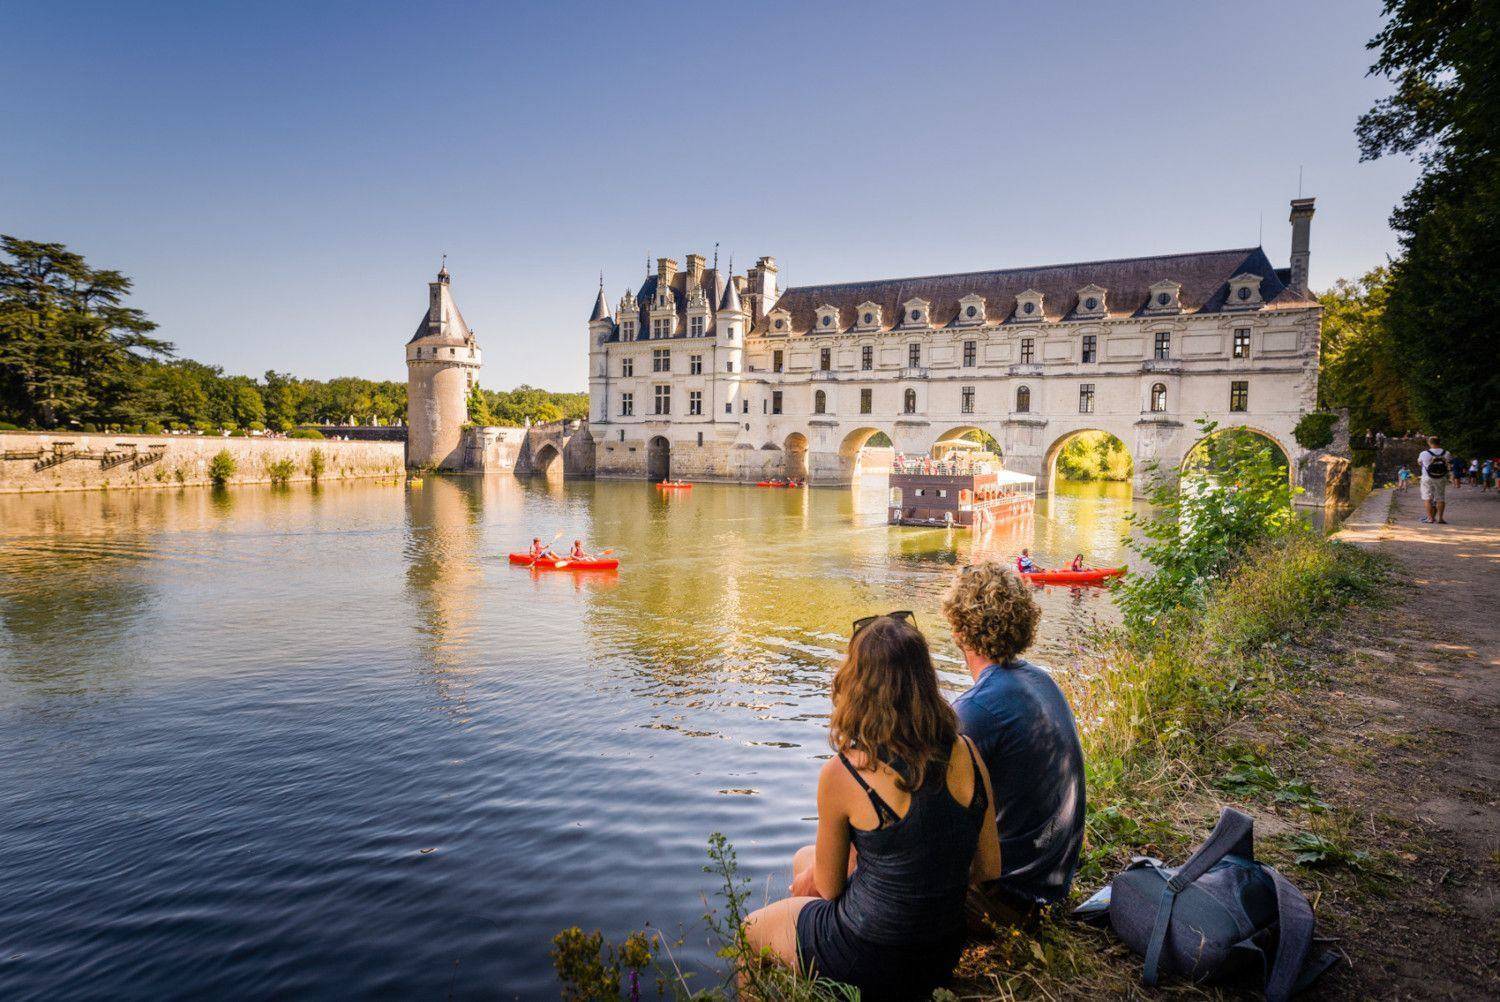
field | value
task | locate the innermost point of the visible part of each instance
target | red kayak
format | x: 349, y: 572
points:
x: 1092, y: 576
x: 771, y: 483
x: 680, y: 486
x: 565, y: 564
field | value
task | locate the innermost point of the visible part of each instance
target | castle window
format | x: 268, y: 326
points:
x: 820, y: 402
x: 627, y: 405
x: 1239, y: 395
x: 695, y: 365
x: 825, y: 359
x: 909, y: 402
x: 695, y: 402
x: 695, y: 326
x: 1163, y: 345
x: 662, y: 400
x: 867, y: 357
x: 700, y: 440
x: 777, y: 361
x: 914, y: 355
x: 661, y: 360
x: 627, y: 366
x: 745, y: 408
x: 1085, y: 398
x: 729, y: 365
x: 660, y: 327
x: 971, y: 353
x: 866, y: 400
x: 1028, y: 350
x: 775, y: 401
x: 1023, y: 400
x: 622, y: 434
x: 1242, y: 342
x: 1158, y: 398
x: 966, y: 404
x: 1090, y: 348
x: 627, y: 331
x: 728, y: 407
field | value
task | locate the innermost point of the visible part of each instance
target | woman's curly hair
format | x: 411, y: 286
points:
x: 991, y: 611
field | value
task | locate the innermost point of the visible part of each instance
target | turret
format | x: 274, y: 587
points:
x: 601, y: 332
x: 730, y: 324
x: 442, y: 366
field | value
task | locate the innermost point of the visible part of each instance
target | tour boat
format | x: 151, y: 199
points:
x: 1091, y: 576
x: 564, y: 563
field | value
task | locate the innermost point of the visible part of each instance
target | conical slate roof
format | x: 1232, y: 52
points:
x: 731, y: 300
x: 601, y: 308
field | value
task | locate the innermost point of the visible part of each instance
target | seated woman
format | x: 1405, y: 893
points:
x: 906, y: 821
x: 1078, y: 563
x: 539, y: 551
x: 578, y: 552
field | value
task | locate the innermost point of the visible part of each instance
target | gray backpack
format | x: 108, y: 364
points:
x: 1219, y: 915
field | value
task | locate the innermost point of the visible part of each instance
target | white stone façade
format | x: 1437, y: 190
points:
x: 710, y: 376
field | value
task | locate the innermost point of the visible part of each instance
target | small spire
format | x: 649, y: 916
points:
x: 731, y: 300
x: 443, y: 270
x: 601, y: 308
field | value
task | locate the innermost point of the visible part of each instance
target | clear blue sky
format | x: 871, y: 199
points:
x: 281, y: 178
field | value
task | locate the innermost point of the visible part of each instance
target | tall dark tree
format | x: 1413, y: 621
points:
x: 1443, y: 310
x: 70, y: 352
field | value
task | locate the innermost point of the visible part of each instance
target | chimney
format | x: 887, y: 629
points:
x: 1301, y: 220
x: 666, y: 270
x: 762, y: 287
x: 695, y: 263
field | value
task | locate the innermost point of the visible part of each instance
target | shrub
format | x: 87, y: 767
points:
x: 315, y: 464
x: 281, y: 471
x: 152, y: 428
x: 305, y: 433
x: 1236, y: 495
x: 221, y: 468
x: 7, y: 426
x: 1315, y: 430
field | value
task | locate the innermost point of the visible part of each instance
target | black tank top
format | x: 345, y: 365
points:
x: 912, y: 874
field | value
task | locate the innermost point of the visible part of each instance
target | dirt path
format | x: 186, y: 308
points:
x: 1416, y: 743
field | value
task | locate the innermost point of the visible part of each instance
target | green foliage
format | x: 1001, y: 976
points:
x: 590, y: 969
x: 1315, y: 851
x: 221, y: 468
x: 316, y: 464
x: 311, y: 433
x: 1094, y: 455
x: 1235, y: 495
x: 70, y: 352
x: 1315, y: 430
x: 1360, y: 366
x: 1443, y: 308
x: 281, y: 471
x: 513, y: 408
x: 479, y: 407
x: 1250, y: 776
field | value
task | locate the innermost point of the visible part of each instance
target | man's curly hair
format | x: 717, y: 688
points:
x: 991, y: 611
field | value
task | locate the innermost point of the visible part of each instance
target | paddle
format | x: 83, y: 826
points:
x: 602, y: 553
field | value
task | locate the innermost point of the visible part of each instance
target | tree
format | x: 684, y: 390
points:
x: 1361, y: 367
x: 1443, y: 309
x: 70, y: 352
x: 479, y: 407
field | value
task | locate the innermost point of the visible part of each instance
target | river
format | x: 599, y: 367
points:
x: 315, y: 743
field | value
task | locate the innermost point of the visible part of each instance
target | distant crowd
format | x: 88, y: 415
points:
x: 1438, y: 468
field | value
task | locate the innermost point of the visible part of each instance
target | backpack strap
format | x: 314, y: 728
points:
x: 1234, y: 832
x: 1294, y: 940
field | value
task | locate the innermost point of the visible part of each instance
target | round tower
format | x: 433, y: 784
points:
x: 442, y: 366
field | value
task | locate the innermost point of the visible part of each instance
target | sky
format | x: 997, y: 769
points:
x: 281, y: 179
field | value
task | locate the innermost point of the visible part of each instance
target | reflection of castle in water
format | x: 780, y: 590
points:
x: 443, y: 573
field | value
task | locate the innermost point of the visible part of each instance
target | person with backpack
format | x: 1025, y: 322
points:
x: 1438, y: 467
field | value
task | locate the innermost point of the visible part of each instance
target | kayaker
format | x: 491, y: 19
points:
x: 578, y: 552
x: 540, y: 551
x: 1078, y: 563
x: 1024, y: 563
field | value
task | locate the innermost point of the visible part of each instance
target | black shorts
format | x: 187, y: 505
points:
x: 881, y: 972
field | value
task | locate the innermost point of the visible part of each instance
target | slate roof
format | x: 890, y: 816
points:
x: 457, y: 332
x: 713, y: 288
x: 1204, y: 278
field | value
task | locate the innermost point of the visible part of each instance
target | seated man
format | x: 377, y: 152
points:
x: 539, y: 551
x: 1024, y: 729
x: 1024, y: 563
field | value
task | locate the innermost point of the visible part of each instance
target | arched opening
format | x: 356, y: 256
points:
x: 820, y: 402
x: 865, y: 450
x: 1088, y: 456
x: 970, y: 439
x: 659, y: 459
x: 1231, y: 446
x: 547, y: 461
x: 909, y: 401
x: 1158, y: 398
x: 1023, y: 400
x: 795, y: 459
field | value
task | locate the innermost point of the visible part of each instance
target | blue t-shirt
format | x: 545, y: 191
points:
x: 1022, y: 724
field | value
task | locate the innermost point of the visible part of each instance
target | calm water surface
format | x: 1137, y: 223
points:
x: 328, y: 743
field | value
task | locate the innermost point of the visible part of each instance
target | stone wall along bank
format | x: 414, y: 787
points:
x: 50, y: 461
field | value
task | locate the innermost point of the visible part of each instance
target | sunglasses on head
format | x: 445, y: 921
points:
x: 905, y: 615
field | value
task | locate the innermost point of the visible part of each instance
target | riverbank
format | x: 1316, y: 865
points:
x: 35, y: 462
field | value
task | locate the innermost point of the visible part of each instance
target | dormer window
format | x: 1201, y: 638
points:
x: 1244, y: 292
x: 780, y: 321
x: 1091, y: 301
x: 1029, y: 306
x: 828, y: 318
x: 1164, y: 297
x: 916, y: 313
x: 869, y: 315
x: 971, y: 309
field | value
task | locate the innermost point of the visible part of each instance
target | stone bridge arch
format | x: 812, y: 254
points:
x: 557, y: 449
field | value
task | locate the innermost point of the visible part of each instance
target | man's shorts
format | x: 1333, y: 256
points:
x: 1434, y: 490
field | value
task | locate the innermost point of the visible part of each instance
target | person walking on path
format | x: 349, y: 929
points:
x: 1438, y: 467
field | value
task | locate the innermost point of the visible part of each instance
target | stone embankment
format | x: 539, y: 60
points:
x: 37, y: 461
